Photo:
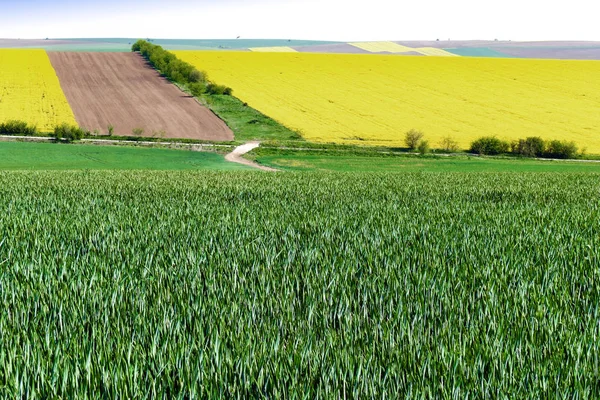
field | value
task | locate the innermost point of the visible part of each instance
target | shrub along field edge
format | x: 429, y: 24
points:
x: 246, y: 122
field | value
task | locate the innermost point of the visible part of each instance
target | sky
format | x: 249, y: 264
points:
x: 338, y: 20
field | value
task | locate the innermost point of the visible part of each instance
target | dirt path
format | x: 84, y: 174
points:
x: 236, y: 156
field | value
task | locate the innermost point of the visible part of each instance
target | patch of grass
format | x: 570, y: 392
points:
x: 374, y: 162
x: 51, y: 156
x: 246, y: 122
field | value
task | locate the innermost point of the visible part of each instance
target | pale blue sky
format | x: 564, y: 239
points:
x: 343, y: 20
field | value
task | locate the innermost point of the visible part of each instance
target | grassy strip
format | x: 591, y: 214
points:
x: 246, y: 122
x: 373, y: 161
x: 48, y: 156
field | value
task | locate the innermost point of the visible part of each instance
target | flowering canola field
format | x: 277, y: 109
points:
x: 375, y: 99
x: 30, y: 90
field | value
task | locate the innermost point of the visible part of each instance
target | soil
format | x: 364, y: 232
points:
x: 123, y: 90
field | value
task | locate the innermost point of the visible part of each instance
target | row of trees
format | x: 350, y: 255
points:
x: 529, y: 147
x: 179, y: 71
x: 491, y: 145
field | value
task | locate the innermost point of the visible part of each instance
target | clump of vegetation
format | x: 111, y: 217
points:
x: 15, y: 127
x: 111, y: 130
x: 159, y: 134
x: 213, y: 88
x: 137, y: 131
x: 449, y: 145
x: 529, y: 147
x: 561, y: 149
x: 423, y: 147
x: 179, y: 71
x: 490, y: 145
x: 413, y: 138
x: 68, y: 132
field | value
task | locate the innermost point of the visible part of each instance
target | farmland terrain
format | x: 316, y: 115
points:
x: 376, y: 99
x: 356, y: 272
x: 48, y: 156
x: 358, y: 161
x: 121, y: 90
x: 188, y: 284
x: 30, y: 90
x: 574, y: 50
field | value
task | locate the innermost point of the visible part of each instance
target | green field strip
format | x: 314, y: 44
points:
x: 404, y: 164
x: 53, y: 156
x: 477, y: 52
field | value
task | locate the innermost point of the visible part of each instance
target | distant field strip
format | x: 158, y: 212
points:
x: 278, y: 49
x: 30, y: 90
x: 375, y: 99
x: 432, y: 51
x: 380, y: 47
x: 391, y: 47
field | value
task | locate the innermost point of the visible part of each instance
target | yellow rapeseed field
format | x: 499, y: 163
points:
x: 375, y: 99
x: 30, y: 90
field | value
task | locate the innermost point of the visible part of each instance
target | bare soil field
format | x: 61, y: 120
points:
x: 122, y: 90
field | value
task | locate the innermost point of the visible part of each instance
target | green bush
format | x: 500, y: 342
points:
x: 195, y: 76
x: 529, y: 147
x: 14, y: 127
x: 413, y: 138
x: 213, y: 88
x: 489, y: 145
x: 196, y: 89
x: 561, y: 149
x: 68, y: 132
x: 423, y: 147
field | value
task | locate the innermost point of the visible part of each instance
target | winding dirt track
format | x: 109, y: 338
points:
x: 237, y: 153
x: 122, y: 90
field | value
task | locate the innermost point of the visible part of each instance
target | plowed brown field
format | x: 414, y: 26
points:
x: 122, y: 90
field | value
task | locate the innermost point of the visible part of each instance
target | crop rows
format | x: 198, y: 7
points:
x: 187, y: 285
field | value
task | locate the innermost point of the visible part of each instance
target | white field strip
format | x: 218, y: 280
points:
x: 432, y: 51
x: 380, y: 47
x: 278, y: 49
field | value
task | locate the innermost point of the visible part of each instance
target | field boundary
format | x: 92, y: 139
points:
x: 126, y: 143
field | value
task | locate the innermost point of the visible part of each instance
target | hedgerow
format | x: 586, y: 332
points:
x: 14, y: 127
x: 528, y: 147
x: 177, y: 70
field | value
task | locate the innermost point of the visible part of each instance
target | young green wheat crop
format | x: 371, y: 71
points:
x: 196, y: 284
